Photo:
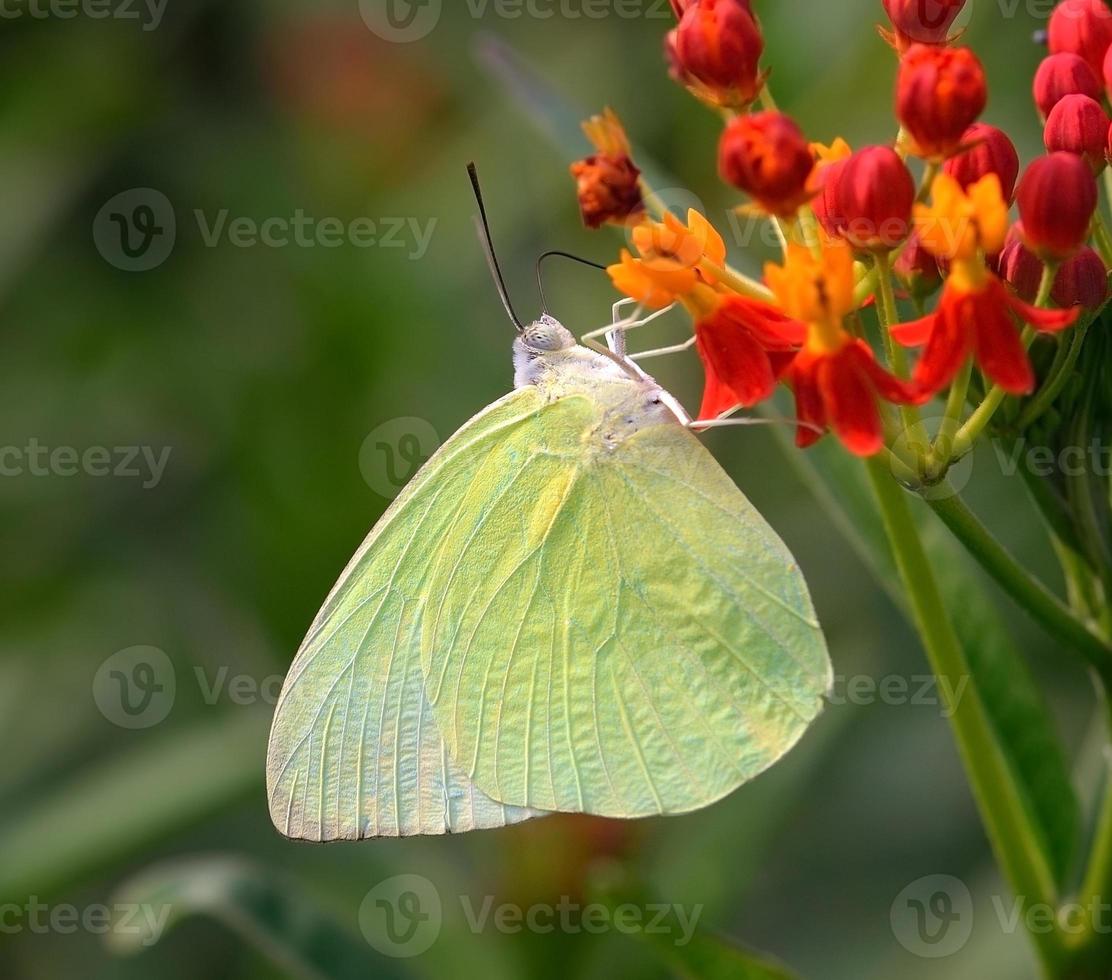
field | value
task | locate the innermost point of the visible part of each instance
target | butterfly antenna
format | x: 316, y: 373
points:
x: 554, y: 253
x: 483, y: 226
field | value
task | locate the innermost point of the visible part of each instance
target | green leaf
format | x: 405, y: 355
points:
x: 270, y: 912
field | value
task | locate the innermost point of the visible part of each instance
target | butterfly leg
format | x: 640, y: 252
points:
x: 621, y: 327
x: 661, y: 351
x: 701, y: 425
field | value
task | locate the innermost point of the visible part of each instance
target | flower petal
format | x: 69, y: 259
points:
x: 850, y: 404
x: 1000, y: 352
x: 738, y: 371
x: 1048, y: 321
x: 914, y: 333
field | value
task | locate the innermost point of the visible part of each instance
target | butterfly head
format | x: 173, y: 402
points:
x: 545, y: 336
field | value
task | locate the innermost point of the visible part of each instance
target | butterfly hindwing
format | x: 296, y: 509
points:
x: 354, y: 749
x: 615, y: 631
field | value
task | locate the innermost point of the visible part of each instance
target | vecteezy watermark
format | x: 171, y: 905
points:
x: 135, y: 688
x: 304, y: 231
x: 393, y: 453
x: 405, y: 21
x: 137, y: 229
x: 148, y: 13
x: 919, y: 690
x: 123, y: 462
x: 121, y: 919
x: 403, y: 916
x: 933, y: 916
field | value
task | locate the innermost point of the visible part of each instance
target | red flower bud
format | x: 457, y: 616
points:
x: 874, y: 198
x: 1061, y: 75
x: 1057, y: 197
x: 1019, y: 267
x: 918, y: 269
x: 1082, y: 281
x: 990, y: 152
x: 1082, y: 27
x: 767, y: 156
x: 715, y: 50
x: 940, y: 92
x: 1078, y: 124
x: 922, y: 21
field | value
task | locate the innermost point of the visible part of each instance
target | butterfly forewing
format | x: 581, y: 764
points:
x: 614, y: 628
x: 355, y: 750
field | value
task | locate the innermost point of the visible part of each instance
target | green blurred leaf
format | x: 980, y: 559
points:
x: 676, y: 937
x: 271, y: 913
x: 709, y: 957
x: 119, y: 806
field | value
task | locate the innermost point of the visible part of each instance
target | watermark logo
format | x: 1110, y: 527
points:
x: 401, y: 916
x: 135, y: 688
x: 933, y: 916
x: 401, y: 21
x: 393, y: 453
x: 135, y: 231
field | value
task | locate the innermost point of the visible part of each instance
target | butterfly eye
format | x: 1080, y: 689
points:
x: 547, y: 334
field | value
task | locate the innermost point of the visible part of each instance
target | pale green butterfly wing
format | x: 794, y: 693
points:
x: 354, y: 748
x: 613, y: 628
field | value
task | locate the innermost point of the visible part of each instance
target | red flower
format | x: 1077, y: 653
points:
x: 767, y: 156
x: 715, y: 51
x: 1057, y: 198
x: 874, y: 195
x: 978, y: 319
x: 1081, y: 27
x: 922, y: 21
x: 989, y: 151
x: 839, y: 389
x: 1060, y: 75
x: 1082, y: 281
x: 1078, y: 124
x: 940, y: 92
x: 745, y: 345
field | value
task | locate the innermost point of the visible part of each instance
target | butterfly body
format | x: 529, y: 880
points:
x: 571, y: 607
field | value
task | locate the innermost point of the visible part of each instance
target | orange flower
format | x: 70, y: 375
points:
x: 671, y: 255
x: 836, y: 378
x: 960, y: 224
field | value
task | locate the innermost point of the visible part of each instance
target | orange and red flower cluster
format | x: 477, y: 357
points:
x: 852, y: 223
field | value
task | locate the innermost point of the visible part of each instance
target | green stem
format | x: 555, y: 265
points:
x: 1000, y: 801
x: 737, y: 281
x: 942, y: 450
x: 1028, y: 592
x: 1103, y: 241
x: 889, y: 316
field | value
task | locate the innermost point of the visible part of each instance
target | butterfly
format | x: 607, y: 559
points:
x: 571, y: 607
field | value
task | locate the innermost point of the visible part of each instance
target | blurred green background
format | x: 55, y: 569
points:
x: 265, y: 369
